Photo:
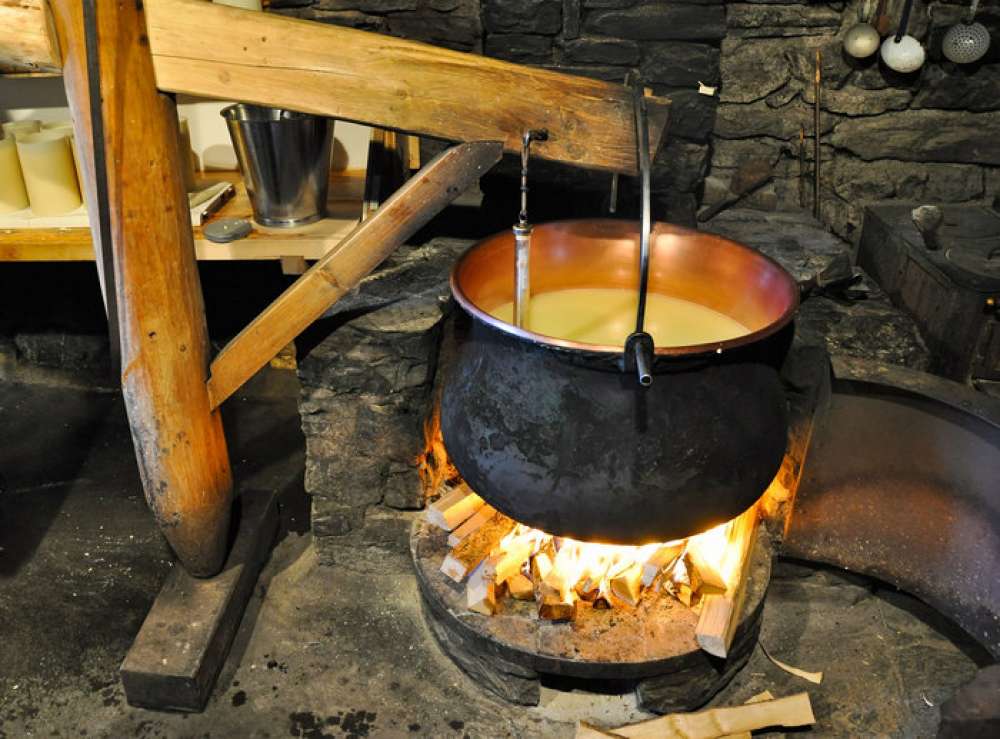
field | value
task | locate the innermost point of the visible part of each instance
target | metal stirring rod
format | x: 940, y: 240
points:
x: 522, y: 234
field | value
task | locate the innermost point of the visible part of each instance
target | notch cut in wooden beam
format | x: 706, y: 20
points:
x: 28, y: 40
x: 223, y: 52
x: 443, y: 179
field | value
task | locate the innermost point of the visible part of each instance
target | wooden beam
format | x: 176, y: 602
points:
x: 413, y: 205
x: 178, y: 438
x: 28, y: 40
x: 223, y: 52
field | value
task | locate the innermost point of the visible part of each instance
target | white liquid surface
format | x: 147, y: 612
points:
x: 607, y: 316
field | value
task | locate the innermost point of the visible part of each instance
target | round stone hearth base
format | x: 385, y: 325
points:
x: 650, y: 647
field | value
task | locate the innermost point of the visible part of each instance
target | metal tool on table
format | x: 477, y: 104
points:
x: 638, y: 354
x: 522, y: 235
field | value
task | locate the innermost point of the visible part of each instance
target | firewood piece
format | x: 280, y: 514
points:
x: 795, y: 710
x: 520, y: 587
x: 472, y: 523
x: 710, y: 572
x: 505, y: 564
x: 476, y: 547
x: 480, y: 592
x: 541, y: 565
x: 567, y: 567
x: 661, y: 559
x: 589, y: 731
x: 813, y: 677
x: 627, y: 584
x: 554, y: 608
x: 720, y: 613
x: 764, y: 695
x: 453, y: 508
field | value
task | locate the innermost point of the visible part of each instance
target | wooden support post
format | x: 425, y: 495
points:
x: 178, y: 437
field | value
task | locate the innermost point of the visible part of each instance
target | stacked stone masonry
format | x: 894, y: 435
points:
x: 930, y: 136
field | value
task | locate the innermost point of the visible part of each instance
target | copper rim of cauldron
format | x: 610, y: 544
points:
x: 673, y: 351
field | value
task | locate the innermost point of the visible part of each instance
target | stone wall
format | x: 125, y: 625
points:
x: 931, y: 136
x: 675, y: 45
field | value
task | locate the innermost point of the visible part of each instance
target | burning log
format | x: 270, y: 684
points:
x: 476, y: 547
x: 553, y: 607
x: 477, y: 519
x: 480, y: 592
x: 720, y: 613
x: 454, y: 507
x: 627, y: 584
x: 521, y: 587
x: 514, y: 552
x: 662, y: 559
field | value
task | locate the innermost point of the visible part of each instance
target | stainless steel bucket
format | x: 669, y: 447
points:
x: 285, y: 160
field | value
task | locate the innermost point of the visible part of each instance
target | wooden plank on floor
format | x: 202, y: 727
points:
x: 186, y: 636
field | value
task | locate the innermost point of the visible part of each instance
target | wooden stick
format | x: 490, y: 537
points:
x: 627, y: 584
x: 503, y: 565
x: 720, y: 613
x: 661, y: 559
x: 520, y: 587
x: 477, y: 519
x: 554, y: 607
x: 332, y: 277
x: 480, y: 592
x: 795, y: 710
x: 178, y: 437
x: 589, y: 731
x: 474, y: 549
x: 28, y: 40
x: 817, y: 92
x: 221, y: 52
x: 453, y: 508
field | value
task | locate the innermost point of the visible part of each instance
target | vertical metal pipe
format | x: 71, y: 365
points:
x: 522, y: 235
x: 522, y: 279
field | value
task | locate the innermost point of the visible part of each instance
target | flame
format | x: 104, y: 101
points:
x: 433, y: 464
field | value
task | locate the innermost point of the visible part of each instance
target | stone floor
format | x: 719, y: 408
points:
x: 343, y: 651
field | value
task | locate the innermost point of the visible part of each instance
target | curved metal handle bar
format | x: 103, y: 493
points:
x: 640, y: 344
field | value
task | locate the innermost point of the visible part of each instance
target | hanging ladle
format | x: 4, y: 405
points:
x: 638, y: 356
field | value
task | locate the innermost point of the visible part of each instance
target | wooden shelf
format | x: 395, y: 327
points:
x: 309, y: 242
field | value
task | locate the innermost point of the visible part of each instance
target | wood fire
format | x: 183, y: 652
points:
x: 497, y: 558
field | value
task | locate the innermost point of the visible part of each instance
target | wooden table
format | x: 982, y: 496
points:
x: 308, y: 242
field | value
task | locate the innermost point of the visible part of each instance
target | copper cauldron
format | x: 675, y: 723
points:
x: 556, y: 435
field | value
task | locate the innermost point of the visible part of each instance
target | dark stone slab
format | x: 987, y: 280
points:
x: 523, y: 16
x: 923, y: 135
x: 519, y: 47
x: 753, y: 68
x: 679, y: 63
x: 380, y: 7
x: 571, y: 19
x: 346, y: 18
x: 960, y: 87
x: 752, y: 19
x: 602, y: 51
x: 458, y: 31
x: 680, y: 165
x: 185, y: 639
x: 974, y: 711
x: 656, y: 21
x: 692, y: 115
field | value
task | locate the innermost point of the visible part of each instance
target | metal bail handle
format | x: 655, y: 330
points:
x: 639, y: 345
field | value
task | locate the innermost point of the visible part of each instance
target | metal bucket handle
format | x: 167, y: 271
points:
x: 638, y: 355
